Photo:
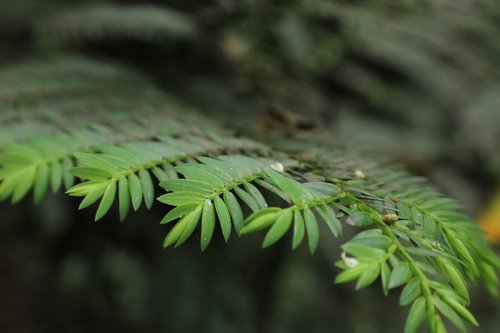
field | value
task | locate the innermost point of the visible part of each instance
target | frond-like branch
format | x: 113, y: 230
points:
x: 105, y: 21
x: 214, y: 183
x: 84, y: 122
x: 129, y: 167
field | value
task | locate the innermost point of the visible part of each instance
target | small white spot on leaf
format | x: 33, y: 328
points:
x: 359, y: 174
x: 349, y: 261
x: 278, y: 167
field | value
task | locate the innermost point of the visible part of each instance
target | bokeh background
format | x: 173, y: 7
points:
x: 416, y: 81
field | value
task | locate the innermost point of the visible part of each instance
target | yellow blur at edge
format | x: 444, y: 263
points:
x: 490, y: 220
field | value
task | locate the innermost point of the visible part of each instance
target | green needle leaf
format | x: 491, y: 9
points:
x: 385, y: 274
x: 179, y: 212
x: 8, y: 186
x: 363, y: 252
x: 200, y: 172
x: 96, y: 192
x: 329, y: 216
x: 449, y: 313
x: 89, y: 173
x: 182, y: 198
x: 260, y: 220
x: 234, y: 210
x: 361, y: 219
x: 247, y: 199
x: 207, y: 224
x: 68, y: 178
x: 186, y: 185
x: 410, y: 292
x: 135, y: 189
x: 400, y: 275
x: 24, y: 184
x: 183, y: 229
x: 298, y: 229
x: 430, y: 227
x: 293, y: 189
x: 159, y: 174
x: 461, y: 310
x: 177, y: 231
x: 255, y: 193
x: 369, y: 276
x: 193, y: 222
x: 351, y: 274
x: 41, y: 182
x: 107, y: 200
x: 123, y: 197
x: 224, y: 217
x: 416, y: 316
x: 279, y: 228
x: 456, y: 279
x: 312, y: 230
x: 464, y: 254
x: 56, y: 176
x: 147, y: 188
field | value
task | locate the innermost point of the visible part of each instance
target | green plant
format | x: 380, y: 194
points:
x: 409, y: 234
x: 110, y: 135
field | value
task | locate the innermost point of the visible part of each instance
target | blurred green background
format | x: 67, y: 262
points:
x: 415, y: 80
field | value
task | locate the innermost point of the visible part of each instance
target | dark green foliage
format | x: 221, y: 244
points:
x: 111, y: 136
